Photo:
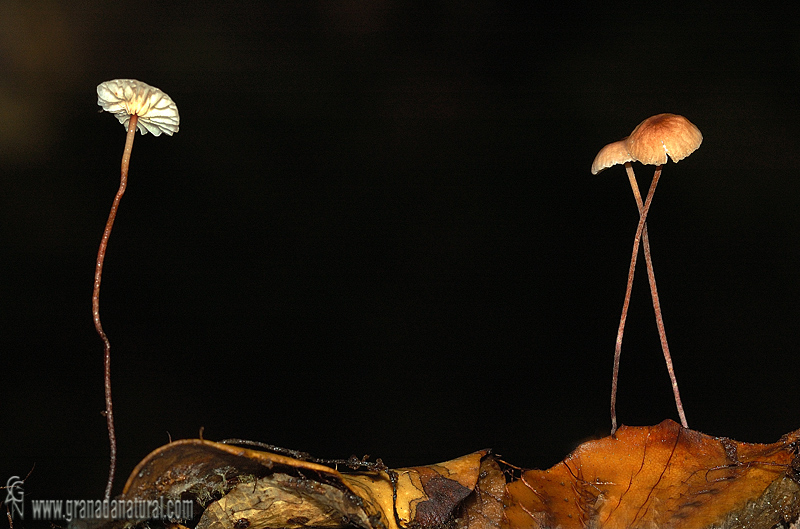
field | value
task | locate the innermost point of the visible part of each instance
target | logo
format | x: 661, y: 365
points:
x: 14, y: 494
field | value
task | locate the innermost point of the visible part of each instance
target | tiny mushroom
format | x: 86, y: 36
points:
x: 650, y: 143
x: 155, y: 111
x: 136, y: 105
x: 661, y: 135
x: 612, y: 154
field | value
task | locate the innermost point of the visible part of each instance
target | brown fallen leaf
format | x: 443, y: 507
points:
x: 422, y: 496
x: 656, y: 477
x: 662, y: 476
x: 240, y: 488
x: 483, y: 509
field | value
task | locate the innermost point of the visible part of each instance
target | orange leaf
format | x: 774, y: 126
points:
x: 656, y: 477
x: 662, y: 476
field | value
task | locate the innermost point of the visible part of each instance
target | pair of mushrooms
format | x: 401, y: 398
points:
x: 650, y: 143
x: 136, y: 105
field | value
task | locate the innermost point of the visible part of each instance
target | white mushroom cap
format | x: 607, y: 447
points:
x: 611, y: 154
x: 156, y: 111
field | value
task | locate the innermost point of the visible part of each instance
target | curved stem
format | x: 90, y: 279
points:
x: 636, y: 242
x: 98, y: 274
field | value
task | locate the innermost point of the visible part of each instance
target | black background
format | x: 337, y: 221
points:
x: 376, y: 231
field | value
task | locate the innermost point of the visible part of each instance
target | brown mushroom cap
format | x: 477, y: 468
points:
x: 661, y: 135
x: 611, y: 154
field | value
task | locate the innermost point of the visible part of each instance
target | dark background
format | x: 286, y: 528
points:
x: 377, y: 233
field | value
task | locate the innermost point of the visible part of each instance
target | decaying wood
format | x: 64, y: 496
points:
x: 282, y: 501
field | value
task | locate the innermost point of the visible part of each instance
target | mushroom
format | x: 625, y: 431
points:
x: 650, y: 143
x: 136, y: 105
x: 611, y: 154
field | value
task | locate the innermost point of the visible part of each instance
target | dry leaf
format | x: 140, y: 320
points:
x: 425, y: 496
x: 239, y: 488
x: 662, y: 476
x: 484, y: 508
x: 655, y: 477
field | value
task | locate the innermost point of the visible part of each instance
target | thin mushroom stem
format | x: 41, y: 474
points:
x: 640, y: 229
x: 651, y: 276
x: 98, y: 273
x: 662, y: 333
x: 664, y: 347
